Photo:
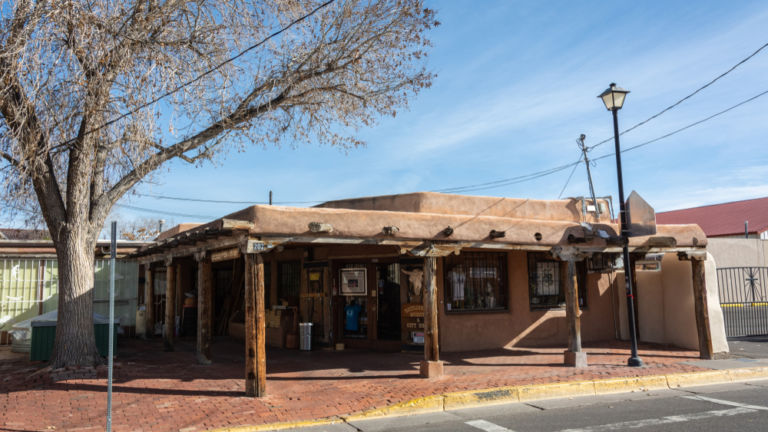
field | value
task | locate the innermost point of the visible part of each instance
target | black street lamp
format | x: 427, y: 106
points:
x: 613, y: 98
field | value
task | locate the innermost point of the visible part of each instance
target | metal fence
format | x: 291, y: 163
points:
x: 744, y: 300
x: 30, y: 287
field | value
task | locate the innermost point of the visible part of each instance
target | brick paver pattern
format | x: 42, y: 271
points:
x: 164, y: 391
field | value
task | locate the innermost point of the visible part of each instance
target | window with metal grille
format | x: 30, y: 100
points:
x: 547, y: 278
x: 475, y: 281
x: 289, y: 281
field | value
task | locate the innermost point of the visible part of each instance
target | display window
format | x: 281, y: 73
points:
x: 475, y: 281
x: 547, y: 279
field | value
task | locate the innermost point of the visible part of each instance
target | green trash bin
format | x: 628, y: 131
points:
x: 44, y: 332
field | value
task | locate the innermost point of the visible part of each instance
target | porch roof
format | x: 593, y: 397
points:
x: 412, y: 219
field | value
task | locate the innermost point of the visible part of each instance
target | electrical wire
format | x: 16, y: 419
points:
x: 174, y: 198
x: 507, y: 181
x: 688, y: 126
x: 201, y: 76
x: 569, y: 177
x: 147, y: 210
x: 491, y: 184
x: 746, y: 59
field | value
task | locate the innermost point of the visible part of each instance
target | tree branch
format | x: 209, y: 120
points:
x: 16, y: 164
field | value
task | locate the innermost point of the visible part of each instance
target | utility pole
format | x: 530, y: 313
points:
x: 584, y: 150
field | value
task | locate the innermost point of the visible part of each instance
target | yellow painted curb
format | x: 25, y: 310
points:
x: 556, y: 390
x: 418, y: 405
x: 466, y: 399
x: 280, y: 426
x: 527, y: 393
x: 698, y: 378
x: 620, y: 385
x: 748, y: 374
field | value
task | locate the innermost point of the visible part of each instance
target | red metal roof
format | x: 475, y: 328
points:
x: 722, y: 219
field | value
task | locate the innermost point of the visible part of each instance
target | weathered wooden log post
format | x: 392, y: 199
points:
x: 574, y: 356
x: 255, y: 350
x: 431, y: 366
x: 700, y: 302
x: 170, y: 304
x: 149, y: 300
x: 204, y: 307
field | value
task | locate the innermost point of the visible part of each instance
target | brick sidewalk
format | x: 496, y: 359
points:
x: 160, y: 391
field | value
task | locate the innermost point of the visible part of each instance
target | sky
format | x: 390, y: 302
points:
x: 516, y: 85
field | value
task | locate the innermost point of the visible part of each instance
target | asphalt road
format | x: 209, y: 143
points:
x: 730, y: 407
x: 754, y: 347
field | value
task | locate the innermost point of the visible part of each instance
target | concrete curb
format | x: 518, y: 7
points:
x: 527, y: 393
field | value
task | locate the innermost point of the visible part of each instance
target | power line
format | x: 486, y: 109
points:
x: 676, y: 131
x: 538, y: 174
x: 175, y: 198
x: 569, y: 179
x: 519, y: 179
x: 153, y: 211
x: 507, y: 181
x: 469, y: 188
x: 746, y: 59
x: 204, y: 74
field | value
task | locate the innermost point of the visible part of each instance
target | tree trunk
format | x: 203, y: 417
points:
x: 75, y: 343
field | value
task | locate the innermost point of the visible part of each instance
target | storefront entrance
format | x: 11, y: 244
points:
x: 369, y: 297
x: 389, y: 299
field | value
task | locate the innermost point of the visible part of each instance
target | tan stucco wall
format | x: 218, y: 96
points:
x: 717, y: 322
x: 666, y: 309
x: 439, y: 203
x: 738, y: 252
x: 521, y: 326
x: 679, y: 315
x: 651, y: 317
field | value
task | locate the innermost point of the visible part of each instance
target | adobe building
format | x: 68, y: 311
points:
x: 737, y: 235
x: 426, y: 271
x: 29, y: 281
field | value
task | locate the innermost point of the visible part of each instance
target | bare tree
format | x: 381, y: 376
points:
x: 81, y: 124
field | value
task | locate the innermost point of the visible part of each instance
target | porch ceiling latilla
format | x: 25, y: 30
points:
x: 219, y: 234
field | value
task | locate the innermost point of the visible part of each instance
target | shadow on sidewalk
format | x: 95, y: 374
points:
x: 144, y: 368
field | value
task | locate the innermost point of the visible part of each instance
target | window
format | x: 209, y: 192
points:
x: 288, y: 282
x: 547, y: 280
x: 475, y: 281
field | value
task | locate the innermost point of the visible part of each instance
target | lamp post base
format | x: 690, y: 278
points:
x: 635, y: 362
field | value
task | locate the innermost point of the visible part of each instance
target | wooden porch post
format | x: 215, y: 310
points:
x: 204, y: 299
x: 170, y: 305
x: 149, y: 300
x: 574, y: 356
x: 702, y: 308
x: 431, y: 366
x: 255, y: 352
